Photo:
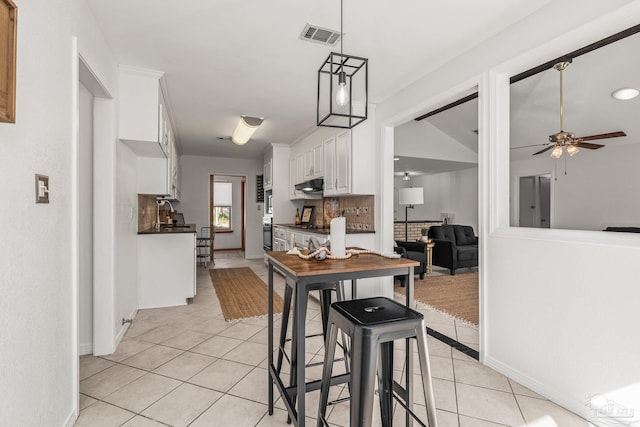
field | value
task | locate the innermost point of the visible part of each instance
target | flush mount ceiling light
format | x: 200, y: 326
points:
x: 406, y: 177
x: 342, y: 89
x: 625, y: 93
x: 245, y: 129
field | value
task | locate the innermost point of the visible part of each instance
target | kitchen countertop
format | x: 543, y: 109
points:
x: 320, y: 230
x: 187, y: 228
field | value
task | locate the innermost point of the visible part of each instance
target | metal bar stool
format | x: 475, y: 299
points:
x: 299, y: 315
x: 373, y: 324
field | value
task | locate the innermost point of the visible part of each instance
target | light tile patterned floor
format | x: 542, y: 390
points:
x: 186, y: 366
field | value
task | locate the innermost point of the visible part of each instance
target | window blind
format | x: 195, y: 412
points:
x: 222, y: 194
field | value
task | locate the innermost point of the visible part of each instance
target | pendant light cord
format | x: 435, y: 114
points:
x: 341, y: 32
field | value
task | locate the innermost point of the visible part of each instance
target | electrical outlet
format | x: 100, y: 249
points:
x: 42, y: 189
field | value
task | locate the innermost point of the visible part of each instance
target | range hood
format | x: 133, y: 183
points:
x: 311, y: 186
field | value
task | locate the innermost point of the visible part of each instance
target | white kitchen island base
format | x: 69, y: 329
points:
x: 166, y: 269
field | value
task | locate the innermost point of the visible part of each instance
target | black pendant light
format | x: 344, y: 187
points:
x: 342, y: 89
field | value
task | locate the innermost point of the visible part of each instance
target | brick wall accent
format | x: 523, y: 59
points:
x: 413, y: 229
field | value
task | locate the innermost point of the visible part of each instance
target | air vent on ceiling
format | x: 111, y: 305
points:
x: 316, y: 34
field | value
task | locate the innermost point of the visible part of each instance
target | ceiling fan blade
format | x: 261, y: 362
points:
x: 545, y: 149
x: 529, y: 146
x: 602, y: 136
x: 588, y: 145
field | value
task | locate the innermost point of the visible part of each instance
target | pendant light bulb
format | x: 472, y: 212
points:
x: 342, y: 97
x: 557, y: 152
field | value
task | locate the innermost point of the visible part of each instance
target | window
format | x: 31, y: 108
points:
x: 222, y: 206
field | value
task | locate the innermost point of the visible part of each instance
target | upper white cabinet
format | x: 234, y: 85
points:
x: 348, y: 160
x: 295, y: 177
x: 143, y: 123
x: 313, y: 163
x: 318, y: 161
x: 345, y: 158
x: 268, y: 173
x: 145, y: 126
x: 337, y: 164
x: 330, y: 181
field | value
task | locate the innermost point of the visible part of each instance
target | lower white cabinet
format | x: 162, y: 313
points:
x: 166, y: 269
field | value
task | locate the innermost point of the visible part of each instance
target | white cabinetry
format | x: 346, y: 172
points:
x: 283, y: 236
x: 337, y: 164
x: 166, y: 269
x: 296, y: 167
x: 343, y: 173
x: 145, y: 126
x: 313, y: 162
x: 343, y: 163
x: 318, y: 161
x: 268, y: 174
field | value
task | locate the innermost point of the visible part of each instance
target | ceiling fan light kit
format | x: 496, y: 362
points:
x: 343, y: 83
x: 245, y: 129
x: 569, y: 140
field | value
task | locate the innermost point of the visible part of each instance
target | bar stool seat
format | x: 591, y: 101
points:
x: 373, y: 324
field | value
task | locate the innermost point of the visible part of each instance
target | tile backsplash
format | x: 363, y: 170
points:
x: 147, y: 212
x: 358, y: 211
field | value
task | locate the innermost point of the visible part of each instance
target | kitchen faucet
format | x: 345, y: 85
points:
x: 161, y: 202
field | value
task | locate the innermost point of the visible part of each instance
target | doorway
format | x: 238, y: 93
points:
x: 436, y: 152
x: 227, y: 215
x: 535, y: 201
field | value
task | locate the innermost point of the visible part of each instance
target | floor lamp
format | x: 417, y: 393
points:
x: 410, y: 197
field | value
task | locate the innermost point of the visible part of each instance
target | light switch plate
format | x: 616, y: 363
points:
x: 42, y: 189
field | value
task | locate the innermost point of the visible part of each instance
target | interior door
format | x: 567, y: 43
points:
x: 535, y: 201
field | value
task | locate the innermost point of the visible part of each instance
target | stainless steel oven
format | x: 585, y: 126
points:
x: 267, y: 234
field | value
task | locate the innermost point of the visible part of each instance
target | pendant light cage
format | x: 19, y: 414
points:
x: 356, y: 75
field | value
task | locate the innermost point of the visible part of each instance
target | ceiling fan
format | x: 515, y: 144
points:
x: 568, y: 140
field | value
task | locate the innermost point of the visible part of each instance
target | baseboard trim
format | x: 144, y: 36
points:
x: 71, y: 419
x: 557, y: 397
x: 85, y: 349
x: 124, y: 329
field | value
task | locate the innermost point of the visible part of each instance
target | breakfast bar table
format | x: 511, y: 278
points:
x: 305, y: 275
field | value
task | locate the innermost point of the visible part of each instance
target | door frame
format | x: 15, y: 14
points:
x: 243, y: 184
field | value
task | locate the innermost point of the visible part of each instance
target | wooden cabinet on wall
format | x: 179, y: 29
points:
x: 145, y: 126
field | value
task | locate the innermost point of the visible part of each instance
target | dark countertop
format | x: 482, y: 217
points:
x: 418, y: 221
x: 187, y: 228
x: 323, y: 230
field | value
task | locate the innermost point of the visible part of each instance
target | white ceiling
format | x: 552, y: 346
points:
x: 225, y: 58
x: 589, y: 108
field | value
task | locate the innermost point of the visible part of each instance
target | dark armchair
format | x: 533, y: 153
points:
x: 416, y: 251
x: 456, y: 246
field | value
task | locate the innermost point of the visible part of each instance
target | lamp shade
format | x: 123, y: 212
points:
x: 245, y: 129
x: 411, y: 196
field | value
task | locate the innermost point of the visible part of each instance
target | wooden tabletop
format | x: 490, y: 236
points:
x: 363, y: 262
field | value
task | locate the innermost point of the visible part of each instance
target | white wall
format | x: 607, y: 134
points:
x: 36, y: 272
x: 195, y: 194
x: 557, y: 306
x: 455, y: 192
x: 598, y: 190
x: 423, y: 140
